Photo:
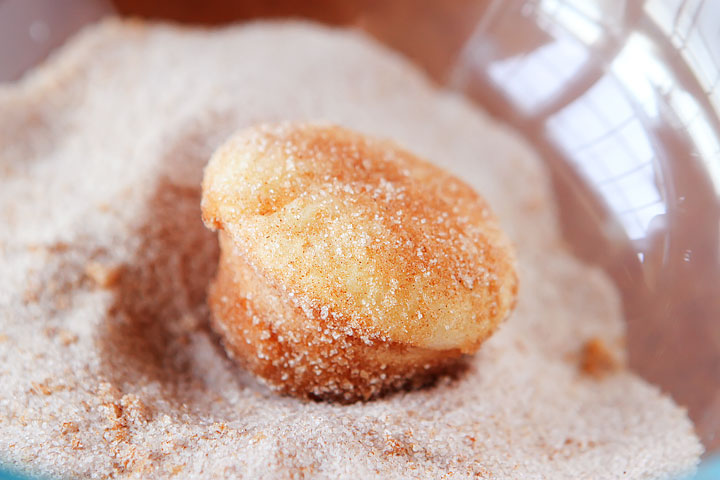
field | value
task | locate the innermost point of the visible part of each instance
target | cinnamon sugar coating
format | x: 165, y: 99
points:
x: 349, y: 266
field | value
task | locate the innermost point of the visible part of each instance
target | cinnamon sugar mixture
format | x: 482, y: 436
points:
x: 107, y: 364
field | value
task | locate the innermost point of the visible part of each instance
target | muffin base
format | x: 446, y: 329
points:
x: 299, y: 351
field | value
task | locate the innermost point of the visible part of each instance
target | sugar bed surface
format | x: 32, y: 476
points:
x: 107, y: 363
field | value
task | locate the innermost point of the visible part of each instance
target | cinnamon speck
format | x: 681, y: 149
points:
x: 67, y: 338
x: 48, y: 388
x: 596, y: 360
x: 31, y: 294
x: 134, y: 408
x: 102, y: 274
x: 70, y: 427
x: 394, y: 446
x: 112, y: 411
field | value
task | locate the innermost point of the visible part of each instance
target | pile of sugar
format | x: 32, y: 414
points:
x: 108, y: 366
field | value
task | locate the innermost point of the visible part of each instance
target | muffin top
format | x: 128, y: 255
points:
x: 363, y: 234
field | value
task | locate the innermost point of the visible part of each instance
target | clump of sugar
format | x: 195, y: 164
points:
x: 104, y: 148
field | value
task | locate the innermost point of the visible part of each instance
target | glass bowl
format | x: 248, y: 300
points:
x: 621, y: 98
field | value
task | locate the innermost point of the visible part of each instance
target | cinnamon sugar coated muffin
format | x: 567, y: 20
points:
x: 349, y: 266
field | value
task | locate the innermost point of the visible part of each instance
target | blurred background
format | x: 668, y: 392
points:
x: 620, y: 97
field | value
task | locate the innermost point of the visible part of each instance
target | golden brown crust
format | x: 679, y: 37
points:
x: 336, y: 242
x: 305, y: 356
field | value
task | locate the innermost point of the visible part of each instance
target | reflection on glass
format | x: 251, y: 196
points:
x: 642, y: 73
x: 604, y: 118
x: 692, y: 29
x: 697, y: 125
x: 646, y: 76
x: 533, y: 79
x: 582, y: 19
x: 610, y: 147
x: 637, y: 116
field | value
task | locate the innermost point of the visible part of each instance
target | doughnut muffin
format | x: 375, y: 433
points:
x: 349, y: 266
